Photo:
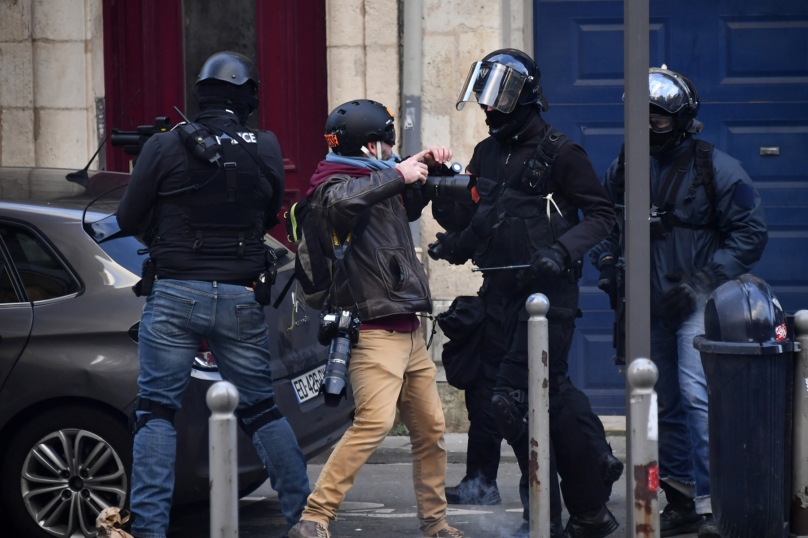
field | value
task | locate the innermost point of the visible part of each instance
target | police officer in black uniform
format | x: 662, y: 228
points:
x: 202, y: 197
x: 531, y: 183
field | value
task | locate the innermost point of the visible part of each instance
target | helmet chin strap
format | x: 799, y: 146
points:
x: 370, y: 155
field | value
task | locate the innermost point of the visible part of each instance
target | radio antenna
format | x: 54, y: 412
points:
x: 81, y: 176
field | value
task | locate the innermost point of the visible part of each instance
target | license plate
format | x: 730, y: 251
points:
x: 307, y: 386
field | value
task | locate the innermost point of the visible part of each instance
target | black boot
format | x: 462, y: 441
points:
x: 595, y: 524
x: 479, y: 491
x: 679, y: 517
x: 556, y: 531
x: 708, y: 528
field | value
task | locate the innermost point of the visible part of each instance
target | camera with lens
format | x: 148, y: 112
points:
x: 449, y: 184
x: 339, y: 331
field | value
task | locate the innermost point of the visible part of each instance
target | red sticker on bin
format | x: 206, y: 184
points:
x: 781, y: 332
x: 653, y: 479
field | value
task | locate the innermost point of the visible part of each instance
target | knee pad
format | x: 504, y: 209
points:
x: 510, y: 419
x: 265, y: 411
x: 153, y: 410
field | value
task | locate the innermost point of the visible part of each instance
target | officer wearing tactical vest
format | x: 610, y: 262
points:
x: 532, y: 181
x: 203, y: 196
x: 707, y: 227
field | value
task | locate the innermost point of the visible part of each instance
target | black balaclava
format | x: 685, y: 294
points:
x: 502, y: 126
x: 216, y: 95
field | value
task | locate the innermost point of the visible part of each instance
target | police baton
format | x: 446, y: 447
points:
x: 502, y: 268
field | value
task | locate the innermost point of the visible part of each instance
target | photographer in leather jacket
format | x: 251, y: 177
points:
x: 531, y: 183
x: 203, y: 196
x: 707, y: 227
x: 384, y: 284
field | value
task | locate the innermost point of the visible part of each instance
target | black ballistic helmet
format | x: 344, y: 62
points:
x: 355, y: 123
x: 502, y: 80
x: 672, y: 94
x: 231, y: 76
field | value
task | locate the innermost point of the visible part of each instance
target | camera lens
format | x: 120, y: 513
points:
x: 333, y: 385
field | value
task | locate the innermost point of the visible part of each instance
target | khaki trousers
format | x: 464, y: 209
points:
x: 389, y: 369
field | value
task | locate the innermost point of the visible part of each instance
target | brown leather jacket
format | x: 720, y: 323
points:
x: 386, y: 276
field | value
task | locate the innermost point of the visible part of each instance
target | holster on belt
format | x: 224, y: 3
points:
x: 148, y: 274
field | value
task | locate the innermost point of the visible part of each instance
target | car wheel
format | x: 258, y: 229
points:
x: 62, y: 468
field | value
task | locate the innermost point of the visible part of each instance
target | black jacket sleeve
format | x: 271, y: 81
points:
x: 581, y: 187
x: 153, y: 166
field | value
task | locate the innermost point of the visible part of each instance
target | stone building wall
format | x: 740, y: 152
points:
x: 51, y: 72
x: 364, y: 40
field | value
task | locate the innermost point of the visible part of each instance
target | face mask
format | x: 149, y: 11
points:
x: 496, y: 119
x: 661, y: 141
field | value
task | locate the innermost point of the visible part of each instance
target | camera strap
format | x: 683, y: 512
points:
x: 341, y: 250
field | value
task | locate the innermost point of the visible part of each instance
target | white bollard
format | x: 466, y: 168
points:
x: 644, y: 462
x: 222, y: 400
x: 799, y: 458
x: 538, y: 344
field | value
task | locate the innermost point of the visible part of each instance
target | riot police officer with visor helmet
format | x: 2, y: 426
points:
x: 707, y: 227
x: 531, y: 183
x: 202, y: 197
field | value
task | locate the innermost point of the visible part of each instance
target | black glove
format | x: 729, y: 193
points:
x: 548, y: 262
x: 607, y: 281
x: 447, y: 247
x: 681, y: 301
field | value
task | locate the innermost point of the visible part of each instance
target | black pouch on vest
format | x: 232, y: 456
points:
x: 144, y: 285
x: 462, y: 324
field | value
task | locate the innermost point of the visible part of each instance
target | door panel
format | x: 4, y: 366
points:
x: 142, y: 51
x: 16, y: 317
x: 292, y: 62
x: 749, y: 63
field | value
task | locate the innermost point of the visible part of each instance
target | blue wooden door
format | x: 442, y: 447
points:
x: 749, y: 63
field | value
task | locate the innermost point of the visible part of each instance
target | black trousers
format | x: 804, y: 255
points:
x: 576, y: 433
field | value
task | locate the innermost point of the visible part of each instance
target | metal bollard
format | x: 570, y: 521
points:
x: 642, y: 376
x: 799, y: 458
x: 539, y: 422
x: 222, y: 400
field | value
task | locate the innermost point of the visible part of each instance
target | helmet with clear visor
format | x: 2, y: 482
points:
x: 673, y: 99
x: 502, y: 80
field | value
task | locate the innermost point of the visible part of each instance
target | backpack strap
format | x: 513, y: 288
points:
x: 540, y: 165
x: 704, y: 168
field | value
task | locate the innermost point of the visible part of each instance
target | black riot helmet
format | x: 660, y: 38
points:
x: 353, y: 124
x: 502, y: 80
x: 674, y: 102
x: 228, y: 78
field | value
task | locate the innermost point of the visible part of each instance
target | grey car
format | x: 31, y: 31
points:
x: 69, y: 362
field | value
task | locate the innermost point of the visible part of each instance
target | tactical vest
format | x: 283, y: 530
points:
x: 518, y: 217
x: 223, y: 213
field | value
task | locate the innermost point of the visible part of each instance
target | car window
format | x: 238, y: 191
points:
x: 43, y: 275
x: 7, y: 293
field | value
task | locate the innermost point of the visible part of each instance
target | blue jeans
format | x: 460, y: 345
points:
x: 684, y: 456
x: 178, y: 315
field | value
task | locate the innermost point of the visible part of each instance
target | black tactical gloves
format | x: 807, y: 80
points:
x: 683, y: 299
x: 607, y: 281
x: 511, y: 420
x: 548, y: 262
x: 450, y: 247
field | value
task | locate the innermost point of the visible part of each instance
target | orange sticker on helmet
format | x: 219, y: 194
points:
x: 388, y: 111
x: 332, y: 140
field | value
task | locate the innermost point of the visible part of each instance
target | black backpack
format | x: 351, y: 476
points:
x: 314, y: 261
